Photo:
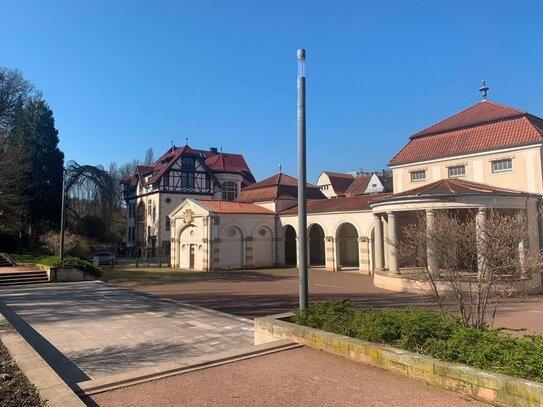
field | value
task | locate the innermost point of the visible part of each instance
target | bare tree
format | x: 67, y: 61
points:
x: 149, y: 157
x: 14, y: 90
x: 51, y: 241
x: 473, y: 262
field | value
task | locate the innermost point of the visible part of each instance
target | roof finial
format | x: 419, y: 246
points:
x: 186, y: 141
x: 484, y: 90
x: 280, y: 169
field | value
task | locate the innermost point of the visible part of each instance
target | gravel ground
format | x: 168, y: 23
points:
x: 298, y: 377
x: 15, y: 389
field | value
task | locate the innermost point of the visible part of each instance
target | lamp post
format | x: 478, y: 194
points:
x: 302, y: 203
x: 61, y: 254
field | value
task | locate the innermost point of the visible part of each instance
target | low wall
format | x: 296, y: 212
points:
x: 493, y: 388
x: 406, y: 284
x: 65, y: 274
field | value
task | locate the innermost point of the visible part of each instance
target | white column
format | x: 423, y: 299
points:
x: 393, y: 263
x: 378, y: 231
x: 431, y: 258
x: 386, y: 242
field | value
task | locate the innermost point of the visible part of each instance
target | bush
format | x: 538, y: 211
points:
x: 69, y: 261
x: 430, y: 333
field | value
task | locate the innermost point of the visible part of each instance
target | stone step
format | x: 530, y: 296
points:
x: 23, y: 277
x: 23, y: 282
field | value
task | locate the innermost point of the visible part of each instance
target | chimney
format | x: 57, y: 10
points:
x: 213, y: 150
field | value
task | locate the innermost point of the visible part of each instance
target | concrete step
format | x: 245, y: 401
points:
x: 4, y: 262
x: 23, y: 277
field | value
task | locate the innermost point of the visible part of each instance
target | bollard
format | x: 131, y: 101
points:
x: 160, y: 262
x: 137, y: 261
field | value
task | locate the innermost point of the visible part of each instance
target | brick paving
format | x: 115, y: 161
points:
x: 90, y: 330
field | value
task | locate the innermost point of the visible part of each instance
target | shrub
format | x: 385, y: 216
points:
x: 69, y: 261
x: 429, y: 333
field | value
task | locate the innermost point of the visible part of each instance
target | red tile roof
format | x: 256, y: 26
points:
x: 278, y: 186
x: 358, y: 186
x: 357, y: 203
x: 484, y: 126
x: 234, y: 207
x: 340, y: 182
x: 222, y: 162
x: 453, y: 186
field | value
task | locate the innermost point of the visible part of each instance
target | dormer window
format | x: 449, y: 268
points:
x: 187, y: 163
x: 418, y: 176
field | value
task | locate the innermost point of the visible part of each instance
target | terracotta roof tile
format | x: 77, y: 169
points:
x: 357, y: 203
x: 278, y: 186
x: 482, y: 127
x: 234, y: 207
x: 340, y: 182
x: 221, y: 163
x: 454, y: 186
x: 358, y: 186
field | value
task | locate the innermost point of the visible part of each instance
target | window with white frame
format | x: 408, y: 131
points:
x: 229, y: 190
x: 457, y: 171
x: 418, y: 175
x: 502, y: 165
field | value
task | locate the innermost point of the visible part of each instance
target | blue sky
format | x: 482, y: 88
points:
x: 122, y: 76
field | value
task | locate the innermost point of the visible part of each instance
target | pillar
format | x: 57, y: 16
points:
x: 249, y: 258
x: 393, y: 263
x: 216, y: 254
x: 479, y: 238
x: 329, y: 253
x: 378, y: 231
x: 431, y: 257
x: 364, y: 255
x: 386, y: 242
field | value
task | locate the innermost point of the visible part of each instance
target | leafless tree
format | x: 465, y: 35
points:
x: 14, y: 89
x: 149, y: 157
x: 474, y: 265
x: 51, y: 241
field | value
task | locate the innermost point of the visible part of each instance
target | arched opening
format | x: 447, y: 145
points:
x: 232, y: 248
x: 290, y: 245
x: 263, y: 246
x: 347, y: 237
x: 190, y: 256
x: 316, y: 245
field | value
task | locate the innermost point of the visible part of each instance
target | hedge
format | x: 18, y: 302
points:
x: 69, y: 261
x: 431, y: 334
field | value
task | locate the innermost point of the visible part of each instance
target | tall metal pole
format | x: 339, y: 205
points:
x: 302, y: 182
x: 61, y: 255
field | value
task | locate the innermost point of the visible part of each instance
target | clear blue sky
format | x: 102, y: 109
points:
x: 122, y: 76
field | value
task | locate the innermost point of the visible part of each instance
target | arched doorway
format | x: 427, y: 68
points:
x: 347, y: 237
x: 290, y: 245
x: 232, y: 248
x: 190, y: 249
x: 316, y: 245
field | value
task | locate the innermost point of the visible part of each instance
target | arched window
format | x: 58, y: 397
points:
x: 229, y: 190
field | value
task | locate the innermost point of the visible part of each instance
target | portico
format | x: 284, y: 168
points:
x: 466, y: 199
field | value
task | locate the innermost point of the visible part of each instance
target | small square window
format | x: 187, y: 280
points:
x: 502, y: 165
x: 457, y: 171
x: 418, y: 176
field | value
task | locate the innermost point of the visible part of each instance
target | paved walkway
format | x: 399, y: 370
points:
x: 300, y: 377
x: 253, y: 293
x: 90, y: 330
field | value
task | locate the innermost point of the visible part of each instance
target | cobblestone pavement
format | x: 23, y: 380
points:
x: 90, y: 330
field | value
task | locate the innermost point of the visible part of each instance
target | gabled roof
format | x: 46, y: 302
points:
x: 234, y: 207
x: 481, y: 127
x: 453, y: 186
x: 214, y: 161
x: 278, y: 186
x: 358, y: 186
x: 340, y: 182
x: 357, y: 203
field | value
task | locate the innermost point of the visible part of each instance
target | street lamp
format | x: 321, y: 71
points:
x: 302, y: 203
x: 61, y: 254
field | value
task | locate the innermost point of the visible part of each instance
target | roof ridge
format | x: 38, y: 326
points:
x: 426, y: 131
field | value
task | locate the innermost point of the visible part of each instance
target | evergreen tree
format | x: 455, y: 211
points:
x: 35, y: 134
